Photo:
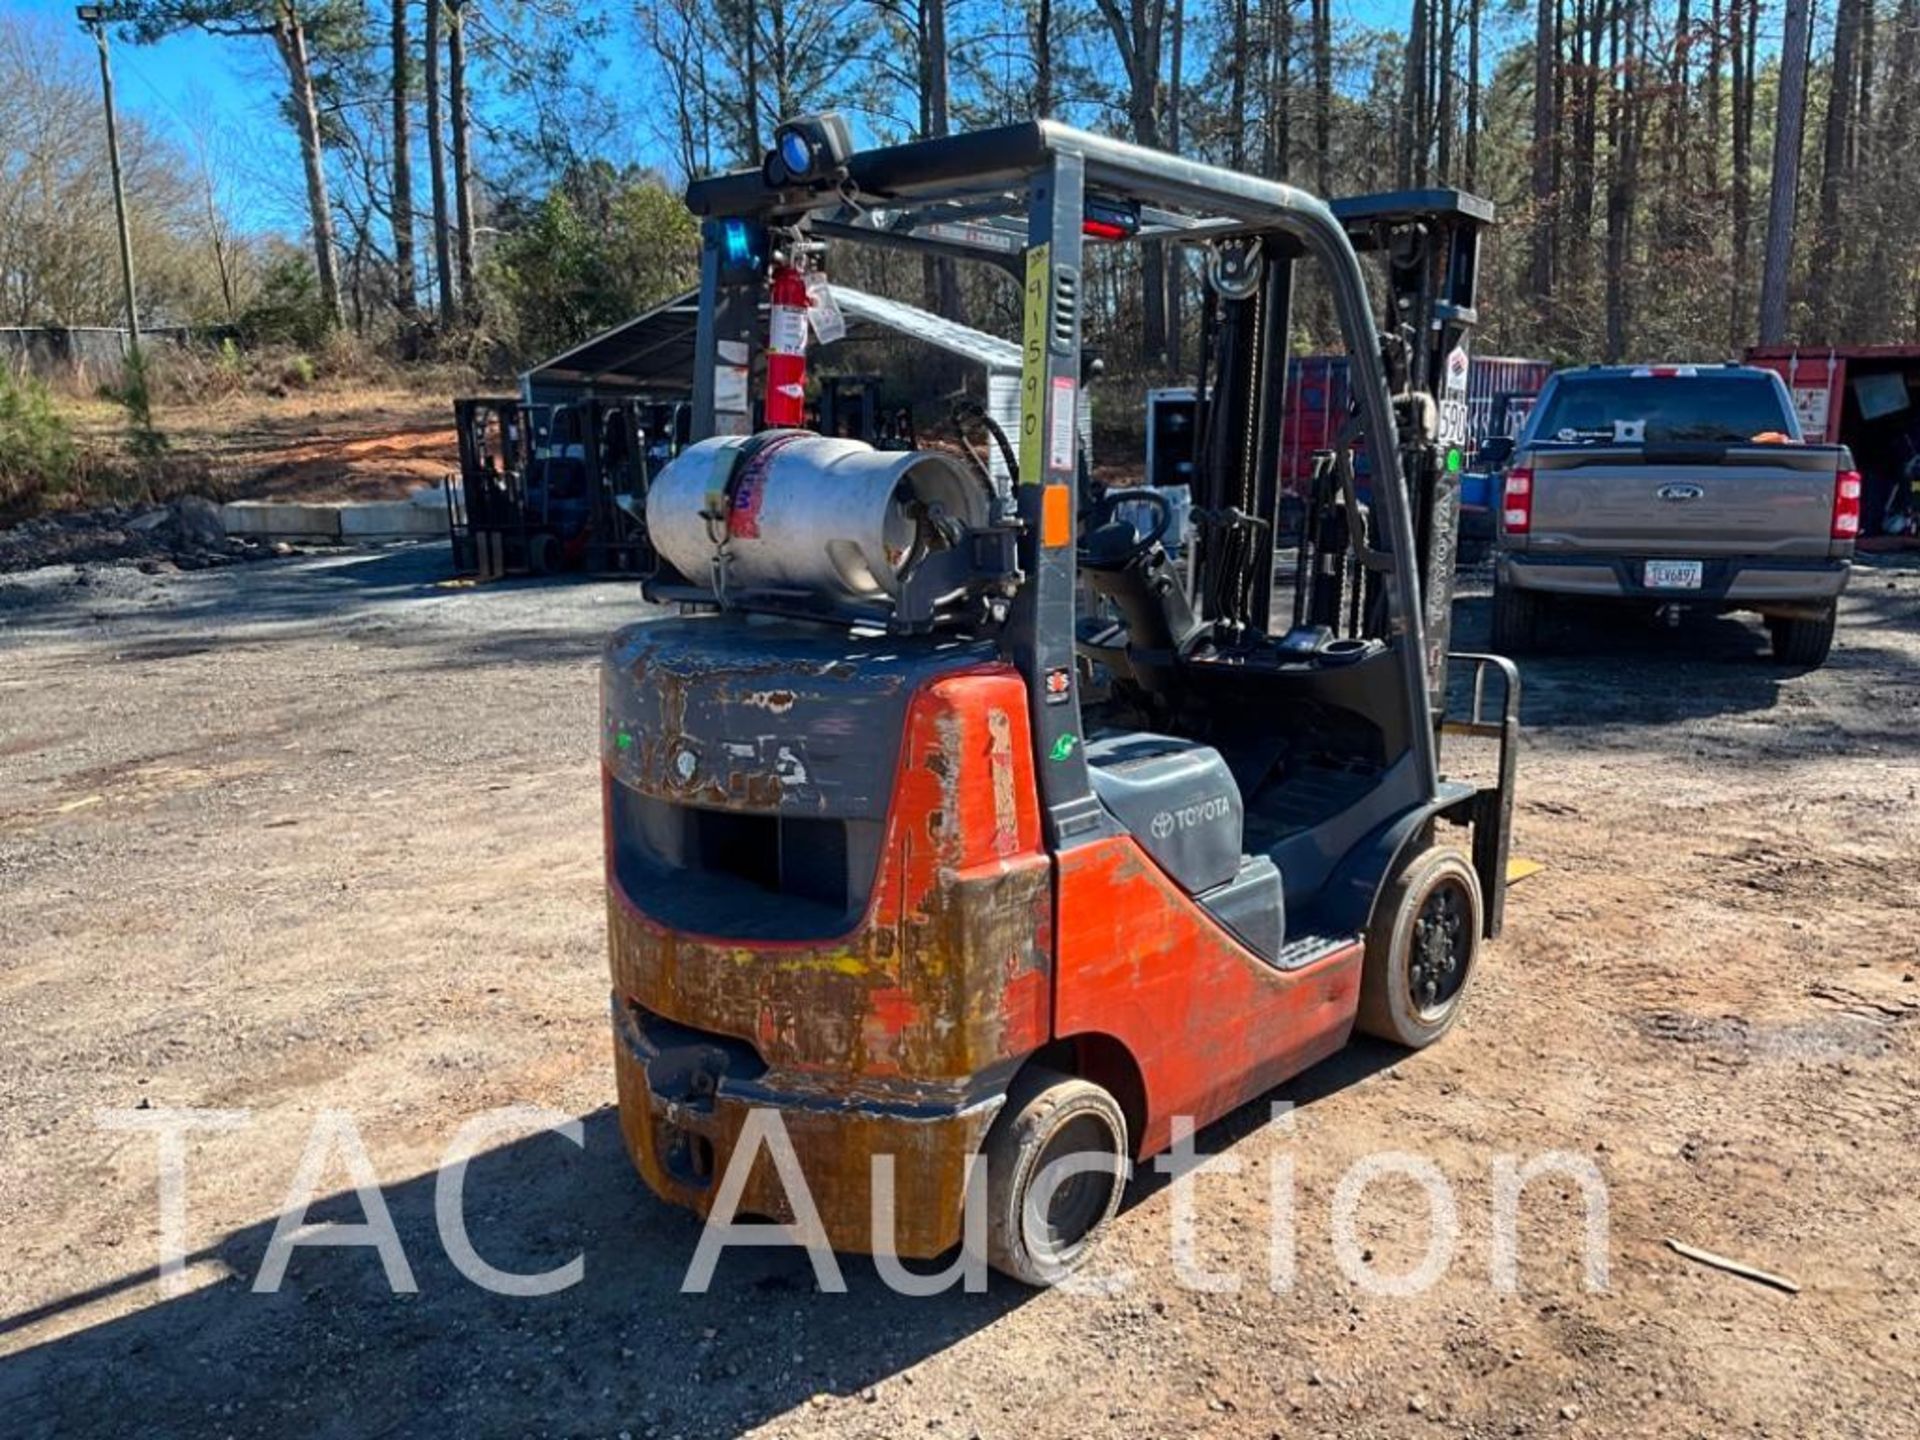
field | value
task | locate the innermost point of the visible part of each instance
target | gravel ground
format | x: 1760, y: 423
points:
x: 322, y: 834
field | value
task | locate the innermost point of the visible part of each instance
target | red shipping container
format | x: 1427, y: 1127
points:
x: 1866, y: 397
x: 1317, y: 402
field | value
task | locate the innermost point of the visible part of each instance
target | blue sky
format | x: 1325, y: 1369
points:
x: 192, y: 85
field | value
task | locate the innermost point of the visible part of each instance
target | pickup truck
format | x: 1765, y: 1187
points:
x: 1669, y: 486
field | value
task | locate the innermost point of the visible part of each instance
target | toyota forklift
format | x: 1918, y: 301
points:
x: 949, y: 820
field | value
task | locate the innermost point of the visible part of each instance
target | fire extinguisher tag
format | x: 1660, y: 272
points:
x: 787, y: 331
x: 823, y: 311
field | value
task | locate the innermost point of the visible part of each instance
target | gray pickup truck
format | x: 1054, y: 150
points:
x: 1674, y: 486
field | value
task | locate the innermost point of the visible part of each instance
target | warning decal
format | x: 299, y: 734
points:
x: 1061, y: 422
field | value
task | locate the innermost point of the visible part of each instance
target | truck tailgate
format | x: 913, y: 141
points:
x: 1762, y: 500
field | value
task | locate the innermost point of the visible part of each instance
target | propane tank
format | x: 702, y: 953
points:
x: 792, y: 510
x: 787, y: 348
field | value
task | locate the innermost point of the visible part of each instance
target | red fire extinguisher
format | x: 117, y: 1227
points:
x: 787, y: 348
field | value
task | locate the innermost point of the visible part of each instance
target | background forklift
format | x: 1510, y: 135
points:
x: 910, y: 846
x: 852, y: 406
x: 558, y: 487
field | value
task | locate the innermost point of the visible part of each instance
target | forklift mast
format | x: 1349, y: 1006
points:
x: 1428, y: 242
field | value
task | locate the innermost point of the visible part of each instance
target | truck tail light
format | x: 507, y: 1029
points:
x: 1516, y: 503
x: 1846, y: 505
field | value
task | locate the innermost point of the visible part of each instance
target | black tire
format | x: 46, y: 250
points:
x: 1047, y: 1117
x: 1518, y: 618
x: 1803, y: 644
x: 543, y: 555
x: 1422, y: 948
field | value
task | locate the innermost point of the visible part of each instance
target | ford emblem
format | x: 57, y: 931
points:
x: 1680, y: 492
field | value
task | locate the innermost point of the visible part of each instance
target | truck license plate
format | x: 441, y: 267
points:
x: 1674, y: 574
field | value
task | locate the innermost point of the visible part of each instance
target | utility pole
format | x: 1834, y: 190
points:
x: 94, y: 17
x: 1786, y: 174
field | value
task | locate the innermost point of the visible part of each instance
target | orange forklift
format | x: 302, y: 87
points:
x: 949, y: 819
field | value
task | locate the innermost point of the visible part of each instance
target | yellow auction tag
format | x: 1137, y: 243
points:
x: 1033, y: 369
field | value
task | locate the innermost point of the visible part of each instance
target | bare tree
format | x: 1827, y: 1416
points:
x: 1174, y: 87
x: 1584, y: 103
x: 1789, y: 119
x: 1238, y: 57
x: 1278, y: 159
x: 437, y: 168
x: 1136, y: 27
x: 1744, y: 25
x: 286, y: 24
x: 1043, y: 60
x: 1546, y: 141
x: 404, y: 276
x: 1322, y: 24
x: 58, y: 240
x: 1623, y: 165
x: 1716, y: 55
x: 289, y: 32
x: 1835, y: 167
x: 1471, y: 177
x: 462, y: 125
x: 926, y: 22
x: 1903, y: 118
x: 677, y: 36
x: 1413, y: 102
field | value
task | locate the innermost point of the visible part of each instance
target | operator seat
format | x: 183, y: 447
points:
x: 1179, y: 802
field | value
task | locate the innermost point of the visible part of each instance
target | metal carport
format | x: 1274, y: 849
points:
x: 652, y: 354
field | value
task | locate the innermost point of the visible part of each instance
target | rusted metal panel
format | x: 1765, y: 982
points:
x: 897, y: 1035
x: 942, y: 991
x: 1210, y: 1024
x: 835, y: 1144
x: 717, y: 711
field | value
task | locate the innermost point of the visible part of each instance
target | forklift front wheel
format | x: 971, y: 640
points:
x: 543, y: 554
x: 1421, y: 949
x: 1056, y: 1161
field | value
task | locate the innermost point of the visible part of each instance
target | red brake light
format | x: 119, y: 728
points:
x: 1516, y: 504
x: 1846, y: 505
x: 1105, y: 218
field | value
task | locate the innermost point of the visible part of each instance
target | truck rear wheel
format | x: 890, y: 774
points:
x: 1056, y: 1168
x: 1421, y: 949
x: 1518, y: 617
x: 1802, y: 643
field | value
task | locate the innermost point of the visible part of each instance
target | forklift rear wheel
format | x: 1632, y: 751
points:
x: 1421, y: 949
x: 1518, y: 618
x: 1043, y: 1217
x: 1802, y: 643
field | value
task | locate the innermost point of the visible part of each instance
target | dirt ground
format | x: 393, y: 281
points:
x: 323, y: 834
x: 333, y: 442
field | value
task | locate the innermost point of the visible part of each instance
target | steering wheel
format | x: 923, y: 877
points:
x: 1102, y: 532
